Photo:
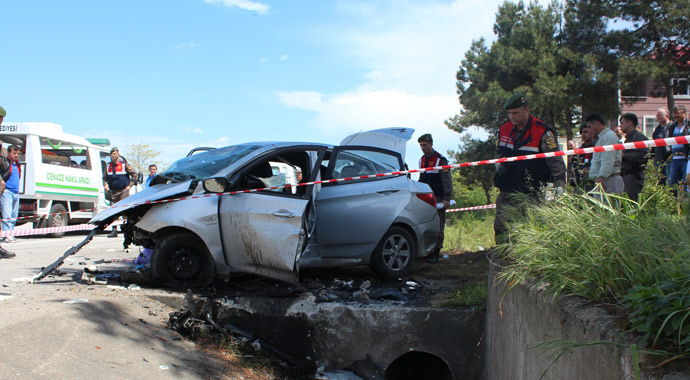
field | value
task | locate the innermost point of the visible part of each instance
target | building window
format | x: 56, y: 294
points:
x: 650, y: 124
x: 681, y: 87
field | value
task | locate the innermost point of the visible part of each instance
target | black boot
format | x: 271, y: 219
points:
x: 6, y: 254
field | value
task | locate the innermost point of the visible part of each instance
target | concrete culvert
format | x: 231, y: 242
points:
x: 416, y: 365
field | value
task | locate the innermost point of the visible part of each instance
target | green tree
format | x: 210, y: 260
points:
x: 140, y: 156
x: 539, y: 51
x: 557, y: 55
x: 655, y: 45
x: 482, y: 176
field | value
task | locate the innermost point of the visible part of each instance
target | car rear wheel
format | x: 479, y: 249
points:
x: 182, y: 259
x: 394, y: 255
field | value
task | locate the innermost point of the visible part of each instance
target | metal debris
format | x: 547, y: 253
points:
x: 77, y: 300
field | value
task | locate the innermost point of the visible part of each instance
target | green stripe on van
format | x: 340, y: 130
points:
x: 67, y: 187
x: 73, y: 195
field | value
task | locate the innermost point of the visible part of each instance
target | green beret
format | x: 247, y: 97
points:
x: 425, y: 137
x: 515, y: 101
x: 114, y: 149
x: 3, y: 113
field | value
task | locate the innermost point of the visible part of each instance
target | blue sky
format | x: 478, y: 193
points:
x: 182, y: 73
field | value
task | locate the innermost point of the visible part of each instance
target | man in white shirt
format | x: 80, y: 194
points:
x: 606, y: 166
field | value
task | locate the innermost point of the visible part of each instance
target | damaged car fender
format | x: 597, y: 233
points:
x: 198, y: 216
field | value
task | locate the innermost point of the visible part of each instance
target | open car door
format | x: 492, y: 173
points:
x: 264, y: 232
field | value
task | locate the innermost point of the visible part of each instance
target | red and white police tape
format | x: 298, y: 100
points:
x: 484, y: 207
x: 679, y: 140
x: 51, y: 230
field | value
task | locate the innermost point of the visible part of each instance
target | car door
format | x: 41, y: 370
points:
x: 263, y: 232
x: 353, y: 215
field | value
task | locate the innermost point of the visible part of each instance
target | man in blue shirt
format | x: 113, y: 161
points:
x: 3, y: 253
x: 679, y: 153
x: 11, y: 173
x: 153, y: 169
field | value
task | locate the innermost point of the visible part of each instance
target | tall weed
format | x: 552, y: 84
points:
x: 614, y: 251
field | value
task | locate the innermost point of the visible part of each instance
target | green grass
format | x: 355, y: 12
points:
x: 614, y: 251
x: 467, y: 297
x: 469, y: 230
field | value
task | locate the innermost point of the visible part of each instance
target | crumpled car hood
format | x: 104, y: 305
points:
x: 149, y: 194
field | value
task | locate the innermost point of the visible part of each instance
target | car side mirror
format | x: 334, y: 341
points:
x: 216, y: 184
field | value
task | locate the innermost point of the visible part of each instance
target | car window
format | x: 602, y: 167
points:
x: 205, y: 164
x: 358, y: 162
x: 287, y: 166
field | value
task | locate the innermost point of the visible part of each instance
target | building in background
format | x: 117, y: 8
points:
x: 649, y: 97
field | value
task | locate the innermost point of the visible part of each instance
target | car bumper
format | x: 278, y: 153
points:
x: 428, y: 235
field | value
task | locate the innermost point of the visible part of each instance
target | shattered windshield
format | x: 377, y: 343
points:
x: 205, y: 164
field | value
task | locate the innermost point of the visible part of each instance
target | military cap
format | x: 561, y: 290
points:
x: 425, y: 137
x: 3, y: 113
x: 515, y: 101
x: 114, y: 149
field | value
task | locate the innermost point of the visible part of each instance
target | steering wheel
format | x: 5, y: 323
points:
x: 254, y: 180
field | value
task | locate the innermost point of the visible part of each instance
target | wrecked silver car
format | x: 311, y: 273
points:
x: 385, y: 222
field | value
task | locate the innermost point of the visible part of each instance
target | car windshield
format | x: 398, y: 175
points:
x: 205, y: 164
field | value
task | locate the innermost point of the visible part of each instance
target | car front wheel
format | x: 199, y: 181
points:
x: 181, y: 259
x: 394, y: 255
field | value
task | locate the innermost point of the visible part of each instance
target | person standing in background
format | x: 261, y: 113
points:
x: 606, y: 166
x: 679, y: 153
x: 4, y: 254
x: 11, y: 173
x: 662, y: 153
x: 440, y: 183
x: 153, y: 169
x: 581, y: 163
x: 119, y: 178
x: 633, y: 161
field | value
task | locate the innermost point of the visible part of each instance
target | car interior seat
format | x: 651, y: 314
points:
x: 350, y: 171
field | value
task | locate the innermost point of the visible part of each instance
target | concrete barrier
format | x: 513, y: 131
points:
x: 429, y: 342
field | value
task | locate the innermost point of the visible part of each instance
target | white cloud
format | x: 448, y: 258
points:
x: 284, y: 57
x: 339, y: 115
x: 196, y: 130
x: 188, y: 45
x: 306, y: 100
x: 263, y: 60
x: 255, y: 6
x: 415, y: 45
x: 409, y: 53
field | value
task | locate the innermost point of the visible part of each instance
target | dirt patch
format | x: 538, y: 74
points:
x: 456, y: 272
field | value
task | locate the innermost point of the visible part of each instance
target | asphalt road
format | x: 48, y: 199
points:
x: 107, y: 332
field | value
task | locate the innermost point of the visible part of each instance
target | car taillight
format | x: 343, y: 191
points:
x: 428, y: 198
